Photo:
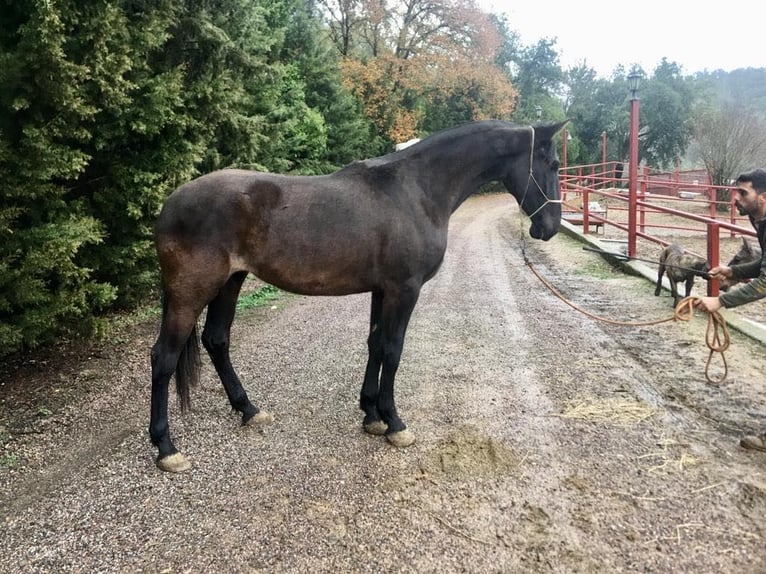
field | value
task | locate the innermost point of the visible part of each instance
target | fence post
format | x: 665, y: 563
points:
x: 713, y: 256
x: 642, y: 208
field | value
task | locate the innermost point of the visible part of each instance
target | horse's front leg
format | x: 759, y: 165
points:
x: 216, y: 337
x: 397, y: 309
x: 368, y: 399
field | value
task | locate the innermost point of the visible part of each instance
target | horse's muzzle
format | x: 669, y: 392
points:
x: 543, y: 232
x: 545, y: 226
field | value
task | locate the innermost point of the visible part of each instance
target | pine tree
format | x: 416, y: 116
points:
x: 45, y: 290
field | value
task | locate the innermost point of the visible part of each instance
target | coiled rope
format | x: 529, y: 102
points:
x: 716, y: 336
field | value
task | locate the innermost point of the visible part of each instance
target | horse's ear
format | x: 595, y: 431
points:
x: 547, y: 131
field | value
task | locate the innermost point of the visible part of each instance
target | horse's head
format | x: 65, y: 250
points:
x: 533, y: 178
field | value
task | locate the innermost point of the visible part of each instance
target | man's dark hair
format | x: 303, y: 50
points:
x: 757, y: 178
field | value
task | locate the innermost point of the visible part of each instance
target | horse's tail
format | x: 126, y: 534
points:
x: 188, y: 365
x: 187, y: 369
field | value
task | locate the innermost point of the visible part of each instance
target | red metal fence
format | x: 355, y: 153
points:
x: 697, y: 206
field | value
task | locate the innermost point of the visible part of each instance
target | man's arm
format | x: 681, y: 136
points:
x: 749, y: 270
x: 749, y: 292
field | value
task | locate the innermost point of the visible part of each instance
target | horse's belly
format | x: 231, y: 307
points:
x: 342, y: 262
x: 308, y: 273
x: 317, y: 283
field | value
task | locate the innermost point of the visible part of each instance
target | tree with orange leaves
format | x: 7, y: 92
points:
x: 420, y: 65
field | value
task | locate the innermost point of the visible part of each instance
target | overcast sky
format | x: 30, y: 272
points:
x: 697, y: 35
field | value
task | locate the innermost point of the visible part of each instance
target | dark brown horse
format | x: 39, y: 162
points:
x: 376, y: 226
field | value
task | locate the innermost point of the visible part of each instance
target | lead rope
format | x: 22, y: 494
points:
x: 716, y: 336
x: 684, y: 311
x: 522, y: 234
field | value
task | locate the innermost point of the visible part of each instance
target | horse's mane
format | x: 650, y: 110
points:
x: 461, y: 130
x: 435, y: 139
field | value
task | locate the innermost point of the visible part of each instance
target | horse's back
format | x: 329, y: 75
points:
x: 213, y: 194
x: 334, y: 234
x: 351, y: 202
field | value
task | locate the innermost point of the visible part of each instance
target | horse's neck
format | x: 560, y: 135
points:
x: 460, y: 172
x: 453, y: 165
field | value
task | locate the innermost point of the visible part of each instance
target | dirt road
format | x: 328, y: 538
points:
x: 546, y: 441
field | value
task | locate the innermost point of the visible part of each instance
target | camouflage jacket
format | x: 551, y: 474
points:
x: 753, y: 270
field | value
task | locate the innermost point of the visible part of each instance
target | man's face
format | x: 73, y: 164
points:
x: 748, y: 200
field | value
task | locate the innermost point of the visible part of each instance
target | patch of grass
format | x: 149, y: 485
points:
x: 113, y: 327
x: 136, y: 316
x: 8, y: 459
x: 597, y: 268
x: 258, y: 298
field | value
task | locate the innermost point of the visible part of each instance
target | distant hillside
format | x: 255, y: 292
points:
x: 745, y: 86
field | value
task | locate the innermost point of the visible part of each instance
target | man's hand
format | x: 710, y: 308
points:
x: 720, y: 272
x: 709, y: 304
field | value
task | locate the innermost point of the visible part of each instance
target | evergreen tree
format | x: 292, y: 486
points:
x: 666, y: 110
x: 140, y: 144
x: 104, y: 109
x: 45, y: 289
x: 596, y: 105
x: 538, y: 79
x: 349, y: 135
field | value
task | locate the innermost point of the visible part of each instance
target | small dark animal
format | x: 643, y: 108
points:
x: 672, y: 259
x: 748, y: 252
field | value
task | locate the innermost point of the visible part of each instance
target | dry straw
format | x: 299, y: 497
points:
x: 618, y: 411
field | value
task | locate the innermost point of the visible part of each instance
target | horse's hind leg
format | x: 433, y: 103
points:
x: 216, y: 337
x: 177, y: 336
x: 368, y: 399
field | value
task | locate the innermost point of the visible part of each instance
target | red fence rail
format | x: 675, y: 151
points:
x: 584, y: 187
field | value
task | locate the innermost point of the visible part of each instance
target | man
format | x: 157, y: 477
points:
x: 751, y: 199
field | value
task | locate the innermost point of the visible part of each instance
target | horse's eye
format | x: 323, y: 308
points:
x: 556, y: 165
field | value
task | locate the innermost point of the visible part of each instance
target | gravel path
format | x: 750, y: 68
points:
x: 546, y: 441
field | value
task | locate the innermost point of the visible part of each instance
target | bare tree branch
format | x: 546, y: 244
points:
x: 729, y: 140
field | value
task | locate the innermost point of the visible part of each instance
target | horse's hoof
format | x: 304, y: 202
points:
x: 378, y: 428
x: 260, y: 418
x: 401, y: 439
x: 174, y: 463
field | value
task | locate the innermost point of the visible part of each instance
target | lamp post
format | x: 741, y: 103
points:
x: 604, y: 173
x: 634, y: 79
x: 538, y: 112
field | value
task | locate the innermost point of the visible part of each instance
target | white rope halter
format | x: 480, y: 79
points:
x: 526, y: 188
x: 532, y: 178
